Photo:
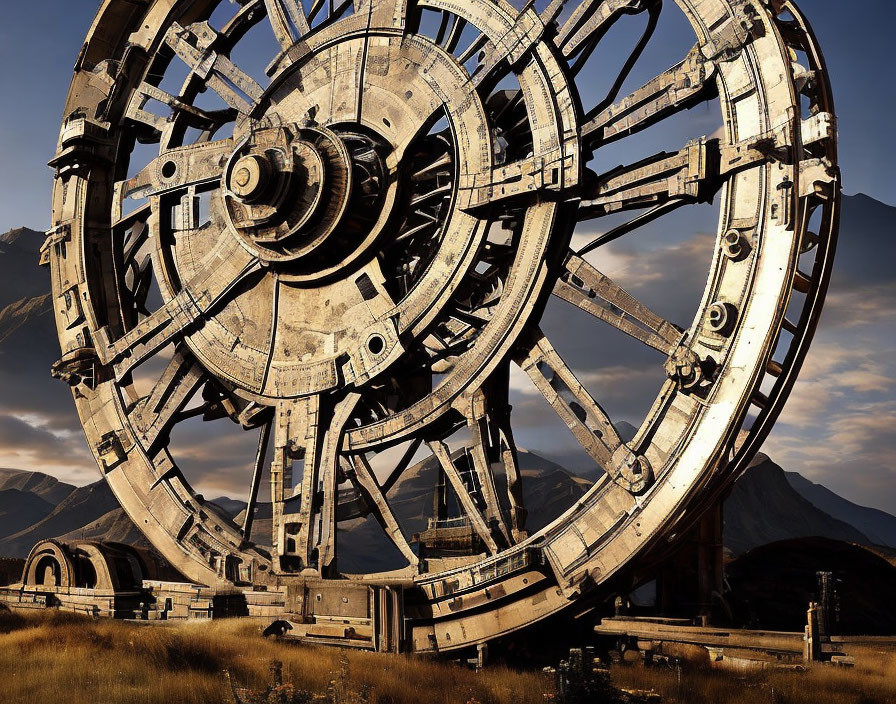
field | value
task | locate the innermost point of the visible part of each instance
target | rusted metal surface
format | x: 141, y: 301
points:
x: 351, y: 252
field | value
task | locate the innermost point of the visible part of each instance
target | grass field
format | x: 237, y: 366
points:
x: 60, y: 658
x: 67, y: 659
x: 871, y: 681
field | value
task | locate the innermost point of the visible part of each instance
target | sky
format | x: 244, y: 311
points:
x: 838, y: 426
x: 40, y: 40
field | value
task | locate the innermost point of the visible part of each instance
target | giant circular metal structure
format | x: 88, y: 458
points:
x: 350, y: 256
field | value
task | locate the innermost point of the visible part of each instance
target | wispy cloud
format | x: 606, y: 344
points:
x: 30, y: 444
x: 839, y: 425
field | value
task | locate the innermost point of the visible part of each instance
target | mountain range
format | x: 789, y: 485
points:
x: 24, y: 291
x: 877, y: 525
x: 767, y: 503
x: 92, y: 513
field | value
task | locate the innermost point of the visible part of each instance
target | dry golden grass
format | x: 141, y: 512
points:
x: 66, y: 659
x: 60, y: 658
x: 871, y: 681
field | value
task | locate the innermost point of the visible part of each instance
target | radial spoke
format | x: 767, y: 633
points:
x: 180, y: 168
x: 639, y: 220
x: 474, y: 48
x: 440, y: 450
x: 482, y: 465
x: 586, y: 420
x: 264, y: 439
x: 693, y: 174
x: 519, y: 178
x: 680, y: 175
x: 362, y: 477
x: 220, y: 273
x: 154, y: 416
x: 436, y: 193
x: 510, y: 460
x: 288, y: 21
x: 244, y: 20
x: 316, y: 7
x: 591, y: 19
x: 308, y: 428
x: 193, y: 46
x: 570, y: 400
x: 454, y: 33
x: 443, y: 26
x: 516, y: 43
x: 353, y: 505
x: 595, y: 293
x: 676, y: 89
x: 195, y: 117
x: 503, y: 448
x: 136, y: 111
x: 121, y: 223
x: 334, y: 11
x: 401, y: 465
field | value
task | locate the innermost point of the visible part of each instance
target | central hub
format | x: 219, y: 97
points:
x: 290, y: 191
x: 251, y: 177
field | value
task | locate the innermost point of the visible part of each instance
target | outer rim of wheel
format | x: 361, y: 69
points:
x: 633, y: 526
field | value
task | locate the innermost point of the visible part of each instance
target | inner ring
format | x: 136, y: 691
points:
x: 322, y: 315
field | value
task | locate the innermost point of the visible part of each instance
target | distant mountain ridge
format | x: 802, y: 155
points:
x: 866, y: 221
x: 80, y: 508
x: 22, y: 242
x: 92, y: 513
x: 764, y: 508
x: 765, y: 505
x: 20, y: 509
x: 21, y: 312
x: 22, y: 278
x: 879, y: 526
x: 25, y: 293
x: 48, y: 488
x: 27, y: 498
x: 113, y: 527
x: 23, y: 238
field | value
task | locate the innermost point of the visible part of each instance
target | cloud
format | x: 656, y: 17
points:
x: 838, y: 427
x: 24, y: 437
x: 216, y: 456
x: 853, y: 303
x: 850, y: 451
x: 28, y: 444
